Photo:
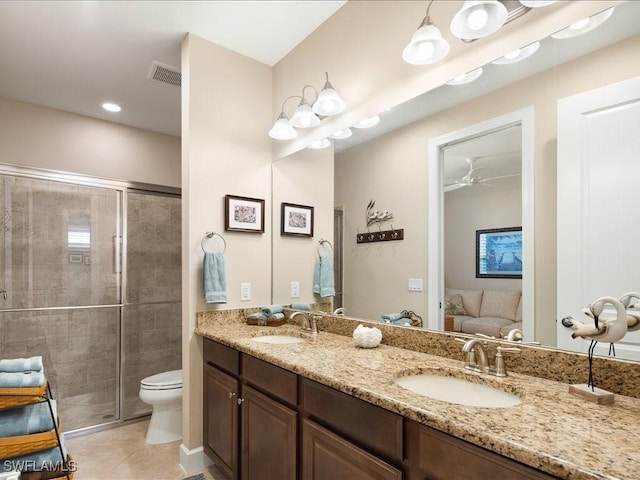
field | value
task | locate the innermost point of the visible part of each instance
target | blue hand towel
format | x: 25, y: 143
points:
x: 26, y: 420
x: 42, y: 460
x: 323, y: 276
x: 214, y: 278
x: 33, y: 364
x: 257, y: 316
x: 21, y: 379
x: 272, y: 309
x: 391, y: 317
x: 301, y: 306
x: 276, y: 316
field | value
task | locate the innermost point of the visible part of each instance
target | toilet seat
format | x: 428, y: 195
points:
x: 163, y: 381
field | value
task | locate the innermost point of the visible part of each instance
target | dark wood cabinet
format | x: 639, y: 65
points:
x: 220, y: 433
x: 269, y: 438
x: 326, y: 456
x: 434, y: 455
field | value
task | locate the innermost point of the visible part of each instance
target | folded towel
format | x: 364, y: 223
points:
x: 301, y: 306
x: 258, y: 316
x: 214, y: 278
x: 390, y: 317
x: 49, y: 459
x: 276, y: 316
x: 272, y: 309
x: 32, y: 364
x: 323, y: 282
x: 21, y: 379
x: 26, y: 420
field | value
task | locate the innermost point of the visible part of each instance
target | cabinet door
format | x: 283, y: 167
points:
x: 220, y: 427
x: 269, y: 438
x: 326, y: 456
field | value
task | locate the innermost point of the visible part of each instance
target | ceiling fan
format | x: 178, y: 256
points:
x: 472, y: 177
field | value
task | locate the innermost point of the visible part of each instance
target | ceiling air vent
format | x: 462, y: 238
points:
x: 165, y: 74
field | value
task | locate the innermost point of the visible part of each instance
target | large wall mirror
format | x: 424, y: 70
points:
x: 390, y: 164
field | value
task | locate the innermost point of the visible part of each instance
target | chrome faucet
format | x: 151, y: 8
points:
x: 476, y: 356
x: 308, y: 325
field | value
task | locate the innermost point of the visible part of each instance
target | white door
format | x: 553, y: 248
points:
x: 598, y: 205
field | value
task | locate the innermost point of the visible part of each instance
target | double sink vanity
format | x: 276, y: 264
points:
x: 283, y: 404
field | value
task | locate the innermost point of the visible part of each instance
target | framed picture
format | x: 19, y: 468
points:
x: 499, y: 253
x: 75, y: 258
x: 243, y: 214
x: 297, y: 220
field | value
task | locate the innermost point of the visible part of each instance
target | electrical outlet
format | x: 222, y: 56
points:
x: 245, y: 291
x: 295, y: 289
x: 415, y: 284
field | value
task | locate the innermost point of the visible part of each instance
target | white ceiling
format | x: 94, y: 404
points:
x: 73, y: 55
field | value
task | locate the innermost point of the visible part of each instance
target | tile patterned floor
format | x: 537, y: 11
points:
x: 122, y: 454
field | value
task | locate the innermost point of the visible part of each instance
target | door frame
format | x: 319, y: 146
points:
x: 435, y: 254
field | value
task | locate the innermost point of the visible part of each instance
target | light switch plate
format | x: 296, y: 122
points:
x: 245, y: 291
x: 415, y: 284
x: 295, y: 289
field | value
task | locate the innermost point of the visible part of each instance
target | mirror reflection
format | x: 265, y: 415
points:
x: 389, y: 164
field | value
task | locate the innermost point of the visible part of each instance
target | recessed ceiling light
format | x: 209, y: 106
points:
x: 111, y: 107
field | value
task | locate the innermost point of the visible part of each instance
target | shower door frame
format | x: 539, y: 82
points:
x: 124, y: 187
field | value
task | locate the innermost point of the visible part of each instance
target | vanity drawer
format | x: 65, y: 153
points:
x: 221, y: 356
x: 271, y: 379
x: 370, y: 426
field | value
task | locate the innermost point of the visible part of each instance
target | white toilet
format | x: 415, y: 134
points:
x: 164, y: 393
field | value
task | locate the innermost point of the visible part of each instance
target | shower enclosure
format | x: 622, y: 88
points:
x: 90, y: 279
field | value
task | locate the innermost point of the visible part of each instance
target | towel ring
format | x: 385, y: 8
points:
x: 211, y: 235
x: 323, y: 241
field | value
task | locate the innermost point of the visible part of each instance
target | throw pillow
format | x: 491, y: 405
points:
x: 453, y: 305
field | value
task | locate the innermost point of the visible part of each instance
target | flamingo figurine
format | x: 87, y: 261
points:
x: 602, y: 331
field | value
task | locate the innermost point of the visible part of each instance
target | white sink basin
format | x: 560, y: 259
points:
x: 279, y: 339
x: 458, y: 391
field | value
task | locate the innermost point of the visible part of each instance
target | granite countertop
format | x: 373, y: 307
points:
x: 551, y: 430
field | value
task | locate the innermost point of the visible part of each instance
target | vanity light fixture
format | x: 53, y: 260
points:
x: 427, y: 44
x: 344, y: 133
x: 368, y: 122
x: 111, y: 107
x: 584, y: 26
x: 466, y: 77
x: 328, y: 102
x: 318, y: 144
x: 478, y: 18
x: 518, y: 55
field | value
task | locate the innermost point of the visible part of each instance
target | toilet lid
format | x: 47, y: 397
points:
x: 172, y: 379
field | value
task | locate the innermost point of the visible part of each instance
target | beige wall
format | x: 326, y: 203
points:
x: 226, y: 114
x: 494, y: 204
x: 402, y: 157
x: 41, y: 137
x: 304, y: 178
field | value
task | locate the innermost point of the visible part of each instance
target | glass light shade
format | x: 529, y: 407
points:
x: 518, y: 55
x: 426, y: 46
x: 328, y: 102
x: 368, y: 122
x: 282, y: 129
x: 537, y: 3
x: 111, y: 107
x: 583, y: 26
x: 467, y: 77
x: 478, y: 18
x: 304, y: 117
x: 346, y: 133
x: 318, y: 144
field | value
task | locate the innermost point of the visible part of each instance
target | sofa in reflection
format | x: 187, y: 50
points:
x: 488, y: 312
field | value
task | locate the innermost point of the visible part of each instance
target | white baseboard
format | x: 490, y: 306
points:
x: 193, y: 461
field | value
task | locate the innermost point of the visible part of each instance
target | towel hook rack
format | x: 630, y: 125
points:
x: 209, y: 235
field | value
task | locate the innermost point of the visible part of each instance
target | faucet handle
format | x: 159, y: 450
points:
x: 500, y: 370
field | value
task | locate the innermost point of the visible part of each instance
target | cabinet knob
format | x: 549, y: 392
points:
x: 240, y: 400
x: 232, y: 394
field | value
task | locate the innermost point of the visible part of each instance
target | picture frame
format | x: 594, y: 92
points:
x: 296, y: 220
x: 499, y: 253
x: 76, y: 258
x: 243, y: 214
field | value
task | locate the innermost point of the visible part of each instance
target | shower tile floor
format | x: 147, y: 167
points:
x: 122, y: 454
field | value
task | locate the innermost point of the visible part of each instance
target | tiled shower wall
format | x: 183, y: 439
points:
x: 59, y: 248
